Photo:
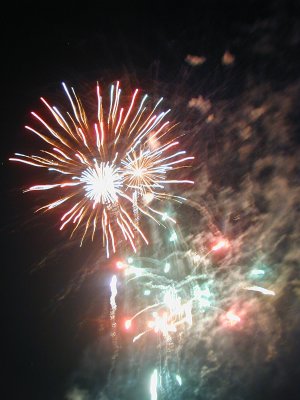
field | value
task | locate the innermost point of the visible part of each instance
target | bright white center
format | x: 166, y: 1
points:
x: 102, y: 183
x: 138, y: 173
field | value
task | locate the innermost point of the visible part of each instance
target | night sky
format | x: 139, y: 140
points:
x: 245, y: 137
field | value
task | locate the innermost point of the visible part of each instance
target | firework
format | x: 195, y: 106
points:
x: 193, y: 297
x: 109, y: 167
x: 173, y: 303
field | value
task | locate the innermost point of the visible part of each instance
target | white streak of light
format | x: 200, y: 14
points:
x: 261, y: 290
x: 114, y: 292
x: 153, y: 385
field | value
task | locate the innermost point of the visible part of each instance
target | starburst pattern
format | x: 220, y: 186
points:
x: 105, y: 168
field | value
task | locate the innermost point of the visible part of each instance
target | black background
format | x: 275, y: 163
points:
x: 43, y: 337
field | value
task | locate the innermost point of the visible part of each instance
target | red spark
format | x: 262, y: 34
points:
x: 221, y: 244
x: 120, y: 265
x: 128, y: 324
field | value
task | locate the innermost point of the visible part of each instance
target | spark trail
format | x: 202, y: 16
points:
x: 107, y: 168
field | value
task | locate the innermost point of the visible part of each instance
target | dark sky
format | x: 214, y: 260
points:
x: 51, y: 333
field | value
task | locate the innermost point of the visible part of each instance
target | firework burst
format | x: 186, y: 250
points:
x: 109, y: 170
